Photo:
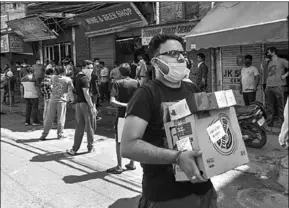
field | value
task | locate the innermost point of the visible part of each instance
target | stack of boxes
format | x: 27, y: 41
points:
x: 207, y: 122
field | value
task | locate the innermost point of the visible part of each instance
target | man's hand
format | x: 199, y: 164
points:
x: 187, y: 163
x: 93, y: 111
x: 284, y: 75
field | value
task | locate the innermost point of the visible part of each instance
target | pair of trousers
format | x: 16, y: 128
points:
x: 104, y: 91
x: 83, y: 122
x: 209, y: 200
x: 2, y: 99
x: 46, y: 103
x: 31, y: 109
x: 55, y: 108
x: 274, y: 97
x: 249, y: 97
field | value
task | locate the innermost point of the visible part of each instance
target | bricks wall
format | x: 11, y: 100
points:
x: 181, y: 11
x: 81, y: 45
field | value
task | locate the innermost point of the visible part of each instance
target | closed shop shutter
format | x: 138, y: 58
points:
x: 102, y: 47
x: 193, y: 56
x: 231, y: 71
x: 278, y: 45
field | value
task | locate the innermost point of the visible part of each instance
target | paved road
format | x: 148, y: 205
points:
x: 38, y: 174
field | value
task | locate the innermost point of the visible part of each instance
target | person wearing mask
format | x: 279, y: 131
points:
x: 39, y: 72
x: 141, y: 70
x: 275, y: 77
x: 30, y: 93
x: 85, y: 111
x: 144, y: 138
x: 62, y: 92
x: 202, y: 72
x: 51, y: 65
x: 114, y: 73
x: 120, y: 95
x: 249, y: 81
x: 3, y: 81
x: 46, y: 89
x: 104, y: 81
x: 9, y: 87
x: 68, y: 68
x: 94, y: 88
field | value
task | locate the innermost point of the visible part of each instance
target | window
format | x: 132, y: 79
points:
x: 57, y: 52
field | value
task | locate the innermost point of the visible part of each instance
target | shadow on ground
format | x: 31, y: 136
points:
x: 126, y: 202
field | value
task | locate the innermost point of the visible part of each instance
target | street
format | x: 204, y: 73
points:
x: 40, y: 174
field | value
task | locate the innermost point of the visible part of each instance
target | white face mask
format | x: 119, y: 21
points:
x: 177, y: 71
x: 87, y: 73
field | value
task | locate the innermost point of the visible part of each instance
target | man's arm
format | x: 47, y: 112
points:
x: 204, y: 71
x: 22, y: 91
x: 87, y: 97
x: 257, y: 79
x: 116, y: 103
x: 134, y: 148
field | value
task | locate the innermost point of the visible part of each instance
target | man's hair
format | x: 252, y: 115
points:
x: 248, y: 56
x: 86, y: 63
x: 102, y: 63
x: 157, y: 40
x: 18, y: 62
x: 124, y: 69
x: 49, y: 71
x: 29, y: 70
x: 202, y: 56
x: 116, y: 63
x: 37, y: 59
x: 59, y: 69
x: 272, y: 49
x: 95, y: 59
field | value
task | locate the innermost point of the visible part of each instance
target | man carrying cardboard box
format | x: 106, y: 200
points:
x: 144, y: 137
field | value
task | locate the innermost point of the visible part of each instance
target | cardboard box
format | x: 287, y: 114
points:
x: 213, y: 104
x: 219, y: 155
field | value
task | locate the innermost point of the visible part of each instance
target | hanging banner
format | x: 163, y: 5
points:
x: 31, y: 29
x: 14, y: 44
x: 180, y: 29
x: 4, y: 19
x: 111, y: 19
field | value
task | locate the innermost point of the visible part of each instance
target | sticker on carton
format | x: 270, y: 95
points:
x: 216, y: 131
x: 221, y: 99
x: 184, y: 144
x: 230, y: 98
x: 179, y: 110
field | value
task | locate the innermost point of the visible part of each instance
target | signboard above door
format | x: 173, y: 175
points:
x: 112, y: 19
x: 31, y: 29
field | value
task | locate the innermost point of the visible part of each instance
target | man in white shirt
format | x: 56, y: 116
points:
x: 249, y: 81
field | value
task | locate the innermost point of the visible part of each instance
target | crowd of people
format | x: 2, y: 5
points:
x: 141, y: 102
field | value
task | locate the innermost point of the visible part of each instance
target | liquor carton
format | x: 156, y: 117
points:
x: 216, y: 133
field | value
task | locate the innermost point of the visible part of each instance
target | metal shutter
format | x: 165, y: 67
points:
x: 231, y: 71
x: 278, y: 45
x: 103, y: 47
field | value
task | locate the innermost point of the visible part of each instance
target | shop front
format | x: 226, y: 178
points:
x: 232, y: 38
x: 104, y: 29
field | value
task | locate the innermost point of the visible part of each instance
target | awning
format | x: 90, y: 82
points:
x: 12, y: 43
x: 31, y: 29
x: 240, y: 23
x: 111, y: 19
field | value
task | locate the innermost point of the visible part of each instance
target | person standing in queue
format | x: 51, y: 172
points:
x: 85, y: 111
x: 121, y: 93
x: 144, y: 139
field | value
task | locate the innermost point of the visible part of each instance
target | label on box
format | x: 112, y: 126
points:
x: 230, y: 98
x: 216, y: 131
x: 221, y: 99
x: 179, y: 110
x: 184, y: 144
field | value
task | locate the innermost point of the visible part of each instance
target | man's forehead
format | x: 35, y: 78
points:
x: 171, y: 45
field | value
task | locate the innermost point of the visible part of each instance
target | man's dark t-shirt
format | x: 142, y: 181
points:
x: 148, y: 104
x: 94, y: 79
x: 123, y: 91
x: 81, y: 81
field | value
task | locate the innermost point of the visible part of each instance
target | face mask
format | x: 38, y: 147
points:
x: 248, y: 63
x: 177, y: 71
x: 269, y: 56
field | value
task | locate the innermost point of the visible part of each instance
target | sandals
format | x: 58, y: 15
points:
x: 129, y: 167
x: 114, y: 170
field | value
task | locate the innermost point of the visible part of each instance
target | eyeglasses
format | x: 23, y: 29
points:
x: 174, y: 54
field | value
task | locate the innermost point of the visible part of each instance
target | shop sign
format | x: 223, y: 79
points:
x: 4, y: 19
x: 31, y: 29
x: 4, y: 43
x: 111, y: 19
x: 177, y: 29
x: 231, y: 76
